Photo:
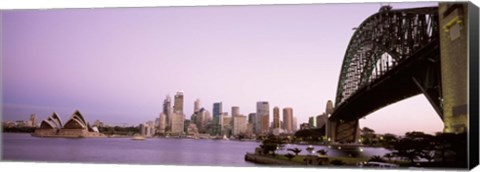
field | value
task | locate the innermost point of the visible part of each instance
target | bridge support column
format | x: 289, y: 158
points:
x: 453, y: 49
x: 343, y: 131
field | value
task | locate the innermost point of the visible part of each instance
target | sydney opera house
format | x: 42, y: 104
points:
x: 76, y: 126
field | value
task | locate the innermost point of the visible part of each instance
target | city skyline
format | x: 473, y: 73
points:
x: 220, y: 54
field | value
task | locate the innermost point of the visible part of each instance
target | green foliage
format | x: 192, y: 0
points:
x: 271, y: 145
x: 119, y: 130
x: 337, y: 162
x: 289, y: 156
x: 18, y: 129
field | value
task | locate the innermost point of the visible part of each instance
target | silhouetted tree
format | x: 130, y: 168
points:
x: 309, y: 149
x: 271, y: 144
x: 322, y: 152
x: 295, y: 150
x: 376, y: 159
x: 337, y: 162
x: 389, y: 156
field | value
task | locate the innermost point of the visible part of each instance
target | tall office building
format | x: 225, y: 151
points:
x: 202, y: 119
x: 251, y: 118
x: 312, y: 122
x: 239, y: 124
x: 235, y: 110
x: 178, y: 103
x: 329, y: 108
x: 262, y: 118
x: 177, y: 124
x: 167, y: 110
x: 288, y: 119
x: 196, y: 106
x: 227, y: 123
x: 295, y: 125
x: 33, y: 120
x: 276, y: 118
x: 162, y: 123
x: 217, y: 118
x: 321, y: 120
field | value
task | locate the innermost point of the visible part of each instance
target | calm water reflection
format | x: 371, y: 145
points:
x: 23, y: 147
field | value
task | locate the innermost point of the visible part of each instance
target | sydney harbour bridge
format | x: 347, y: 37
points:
x: 398, y: 53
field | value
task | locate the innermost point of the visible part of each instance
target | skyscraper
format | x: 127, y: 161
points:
x: 312, y: 122
x: 217, y: 120
x: 329, y: 108
x: 177, y: 124
x: 235, y: 110
x: 162, y: 123
x: 295, y: 125
x: 251, y: 118
x: 33, y: 120
x: 262, y: 118
x: 196, y: 106
x: 321, y: 120
x: 239, y: 124
x: 276, y: 118
x: 178, y: 103
x: 167, y: 110
x: 288, y: 119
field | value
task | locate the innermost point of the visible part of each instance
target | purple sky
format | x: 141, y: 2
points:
x: 118, y: 64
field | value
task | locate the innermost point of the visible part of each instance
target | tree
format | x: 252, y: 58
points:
x: 389, y: 140
x: 337, y: 162
x: 295, y: 150
x: 414, y: 145
x: 270, y: 145
x: 289, y: 156
x: 310, y: 149
x: 376, y: 159
x: 322, y: 152
x: 389, y: 156
x: 367, y: 135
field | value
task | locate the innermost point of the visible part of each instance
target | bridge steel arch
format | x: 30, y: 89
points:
x: 393, y: 55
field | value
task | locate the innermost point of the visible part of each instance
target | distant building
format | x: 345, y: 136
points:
x: 177, y: 127
x: 98, y: 123
x: 239, y: 124
x: 235, y: 110
x: 202, y: 118
x: 305, y: 126
x: 251, y: 118
x: 276, y: 118
x: 178, y: 103
x: 33, y: 120
x: 227, y: 127
x: 147, y: 130
x: 167, y: 110
x: 329, y: 108
x: 76, y: 126
x: 262, y: 118
x: 321, y: 120
x: 312, y: 122
x: 196, y: 106
x: 295, y: 125
x: 192, y: 129
x: 162, y: 123
x: 217, y: 120
x: 288, y: 119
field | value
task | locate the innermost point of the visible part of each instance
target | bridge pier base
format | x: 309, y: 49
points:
x: 343, y: 131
